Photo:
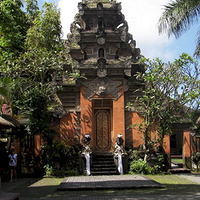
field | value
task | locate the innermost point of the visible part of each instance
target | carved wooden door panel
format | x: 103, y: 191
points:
x: 102, y: 130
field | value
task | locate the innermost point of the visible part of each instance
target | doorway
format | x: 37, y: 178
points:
x: 102, y: 114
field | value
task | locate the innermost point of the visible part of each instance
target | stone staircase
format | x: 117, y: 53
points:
x: 177, y: 167
x: 103, y: 164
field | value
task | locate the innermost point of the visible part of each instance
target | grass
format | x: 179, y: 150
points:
x: 47, y: 187
x: 179, y: 160
x: 175, y: 184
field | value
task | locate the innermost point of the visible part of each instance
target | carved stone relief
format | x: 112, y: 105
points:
x: 102, y: 87
x: 59, y: 111
x: 101, y: 72
x: 101, y: 40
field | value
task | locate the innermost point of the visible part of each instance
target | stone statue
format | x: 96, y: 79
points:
x: 119, y: 152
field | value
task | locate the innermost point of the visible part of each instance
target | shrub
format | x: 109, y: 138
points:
x: 48, y: 170
x: 196, y: 159
x: 139, y: 167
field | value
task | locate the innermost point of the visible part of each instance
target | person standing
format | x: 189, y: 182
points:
x: 13, y: 164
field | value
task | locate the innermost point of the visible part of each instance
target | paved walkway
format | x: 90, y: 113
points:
x: 122, y: 197
x: 107, y: 182
x: 191, y: 177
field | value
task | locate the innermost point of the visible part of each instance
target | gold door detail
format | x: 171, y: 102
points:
x: 102, y: 130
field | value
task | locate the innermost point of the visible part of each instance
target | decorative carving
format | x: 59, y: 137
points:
x: 100, y: 10
x: 59, y: 111
x: 127, y: 72
x: 102, y: 129
x: 101, y: 63
x: 101, y: 72
x: 125, y: 84
x: 101, y: 40
x: 102, y: 87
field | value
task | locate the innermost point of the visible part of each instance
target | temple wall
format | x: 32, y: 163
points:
x: 37, y: 145
x: 86, y: 116
x: 67, y: 128
x: 135, y: 138
x: 186, y: 149
x: 118, y: 118
x: 166, y: 146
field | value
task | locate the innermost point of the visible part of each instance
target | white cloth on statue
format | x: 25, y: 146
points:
x: 120, y: 165
x: 87, y: 157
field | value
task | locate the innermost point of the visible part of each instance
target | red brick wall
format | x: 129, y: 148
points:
x: 37, y: 145
x: 166, y: 146
x: 118, y: 118
x: 86, y: 116
x: 67, y: 129
x: 137, y: 137
x: 186, y: 149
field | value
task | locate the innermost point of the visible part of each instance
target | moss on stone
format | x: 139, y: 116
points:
x: 74, y: 46
x: 106, y: 3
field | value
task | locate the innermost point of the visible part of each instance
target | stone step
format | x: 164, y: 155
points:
x: 179, y: 165
x: 103, y: 161
x: 103, y: 164
x: 103, y: 169
x: 104, y: 173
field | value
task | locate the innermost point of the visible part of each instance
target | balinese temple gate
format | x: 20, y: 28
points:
x: 103, y: 50
x: 105, y: 53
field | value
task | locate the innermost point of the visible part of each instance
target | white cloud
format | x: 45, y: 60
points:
x: 142, y: 17
x: 68, y: 10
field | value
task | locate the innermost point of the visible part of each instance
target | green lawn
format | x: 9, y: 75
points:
x: 179, y: 160
x: 175, y: 184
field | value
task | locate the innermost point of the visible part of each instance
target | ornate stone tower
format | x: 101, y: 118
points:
x: 104, y: 51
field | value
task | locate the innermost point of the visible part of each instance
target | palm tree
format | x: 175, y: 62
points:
x: 177, y: 18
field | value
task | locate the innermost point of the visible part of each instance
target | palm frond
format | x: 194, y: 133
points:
x: 178, y: 16
x: 197, y: 50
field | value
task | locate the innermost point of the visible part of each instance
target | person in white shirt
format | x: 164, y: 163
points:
x: 13, y: 164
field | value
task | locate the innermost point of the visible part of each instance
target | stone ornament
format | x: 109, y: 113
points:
x: 102, y: 87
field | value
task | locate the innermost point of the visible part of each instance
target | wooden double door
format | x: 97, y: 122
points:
x: 102, y: 128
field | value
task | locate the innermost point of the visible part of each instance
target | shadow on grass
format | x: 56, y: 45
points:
x: 47, y: 187
x: 51, y: 191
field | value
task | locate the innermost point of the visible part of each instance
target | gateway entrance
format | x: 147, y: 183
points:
x: 102, y: 112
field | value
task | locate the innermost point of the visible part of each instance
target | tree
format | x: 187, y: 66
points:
x: 32, y: 10
x: 13, y: 29
x: 177, y: 18
x: 46, y: 31
x: 170, y: 94
x: 31, y: 72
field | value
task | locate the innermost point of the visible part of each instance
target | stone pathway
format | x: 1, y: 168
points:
x: 191, y: 177
x: 107, y: 182
x: 122, y: 197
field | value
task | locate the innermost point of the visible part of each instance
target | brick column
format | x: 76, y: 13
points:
x: 166, y: 146
x: 119, y: 117
x: 86, y: 116
x: 186, y: 149
x: 37, y: 145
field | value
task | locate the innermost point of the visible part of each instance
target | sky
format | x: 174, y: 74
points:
x: 142, y: 17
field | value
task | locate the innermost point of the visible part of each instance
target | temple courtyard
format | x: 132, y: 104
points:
x: 180, y: 186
